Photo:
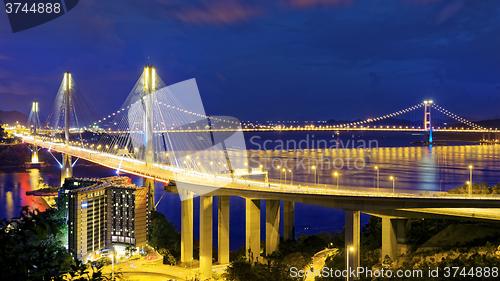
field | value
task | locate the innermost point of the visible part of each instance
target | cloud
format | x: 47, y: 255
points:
x: 423, y: 2
x: 218, y: 12
x: 312, y: 3
x: 449, y: 10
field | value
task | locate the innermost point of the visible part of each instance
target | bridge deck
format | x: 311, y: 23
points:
x: 260, y: 189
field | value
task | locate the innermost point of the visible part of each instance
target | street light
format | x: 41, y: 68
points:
x: 279, y: 168
x: 470, y: 181
x: 351, y: 249
x: 337, y: 176
x: 378, y: 182
x: 392, y: 178
x: 284, y: 171
x: 315, y: 173
x: 291, y: 176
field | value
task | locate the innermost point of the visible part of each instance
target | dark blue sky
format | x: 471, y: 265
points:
x: 267, y: 60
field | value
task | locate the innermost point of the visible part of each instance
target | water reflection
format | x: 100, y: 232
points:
x: 9, y: 204
x: 416, y: 168
x: 13, y: 187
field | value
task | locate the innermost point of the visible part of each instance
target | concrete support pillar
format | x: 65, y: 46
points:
x: 288, y: 220
x: 252, y: 236
x: 389, y: 241
x: 402, y: 230
x: 67, y: 168
x: 187, y: 229
x: 34, y: 155
x: 150, y: 184
x: 223, y: 239
x: 402, y: 236
x: 206, y: 205
x: 352, y: 236
x: 272, y: 225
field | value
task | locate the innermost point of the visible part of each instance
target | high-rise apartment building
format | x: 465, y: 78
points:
x: 112, y: 211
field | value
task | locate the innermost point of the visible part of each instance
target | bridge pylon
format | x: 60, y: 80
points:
x: 427, y: 118
x: 147, y: 103
x: 67, y: 167
x: 34, y: 120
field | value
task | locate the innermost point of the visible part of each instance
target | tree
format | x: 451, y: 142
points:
x: 130, y: 250
x: 88, y: 271
x: 31, y: 248
x: 168, y: 258
x: 387, y: 263
x: 164, y: 235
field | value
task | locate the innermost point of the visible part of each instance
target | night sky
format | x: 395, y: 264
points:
x: 266, y: 60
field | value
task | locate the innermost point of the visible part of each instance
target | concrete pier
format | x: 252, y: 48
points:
x: 187, y: 229
x: 206, y: 222
x: 252, y: 236
x: 272, y: 226
x: 389, y: 242
x: 223, y: 230
x: 395, y: 237
x: 288, y: 220
x: 352, y: 236
x: 67, y: 168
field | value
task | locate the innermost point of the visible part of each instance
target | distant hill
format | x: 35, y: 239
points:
x: 10, y: 117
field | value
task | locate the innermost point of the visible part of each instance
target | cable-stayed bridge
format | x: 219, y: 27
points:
x: 162, y: 133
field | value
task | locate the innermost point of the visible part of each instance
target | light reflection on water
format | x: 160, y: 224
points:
x: 13, y: 187
x: 415, y: 168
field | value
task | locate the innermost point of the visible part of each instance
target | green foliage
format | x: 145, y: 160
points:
x: 336, y: 262
x: 13, y: 155
x: 31, y: 247
x: 295, y: 259
x: 130, y: 250
x: 424, y: 229
x: 387, y: 263
x: 371, y: 237
x: 104, y: 261
x: 163, y: 234
x: 477, y: 188
x: 168, y: 258
x: 88, y: 271
x: 242, y: 270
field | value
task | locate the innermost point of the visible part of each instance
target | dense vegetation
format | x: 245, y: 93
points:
x: 477, y: 253
x: 477, y: 188
x: 291, y: 253
x: 165, y: 238
x: 13, y: 156
x: 33, y: 249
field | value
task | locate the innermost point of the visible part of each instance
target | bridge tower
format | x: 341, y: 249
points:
x: 67, y: 167
x: 35, y: 120
x: 147, y: 103
x: 427, y: 118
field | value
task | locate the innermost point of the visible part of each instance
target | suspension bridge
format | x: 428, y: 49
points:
x: 162, y: 133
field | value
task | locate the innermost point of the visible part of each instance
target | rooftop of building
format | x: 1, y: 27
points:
x: 115, y: 182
